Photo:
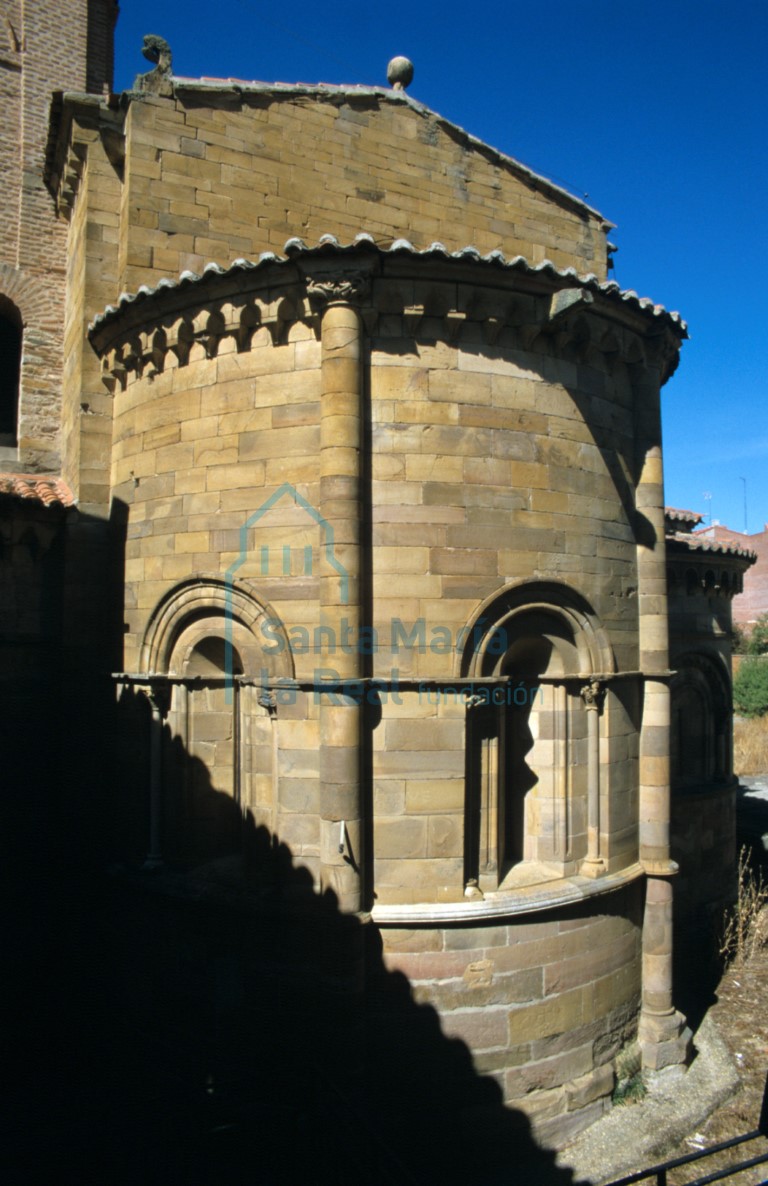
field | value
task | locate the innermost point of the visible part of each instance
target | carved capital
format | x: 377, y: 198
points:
x: 342, y: 286
x: 593, y: 695
x: 158, y: 693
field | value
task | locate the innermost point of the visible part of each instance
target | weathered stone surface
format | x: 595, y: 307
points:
x: 458, y: 456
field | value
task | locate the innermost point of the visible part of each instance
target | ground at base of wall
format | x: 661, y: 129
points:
x: 741, y: 1017
x: 719, y: 1097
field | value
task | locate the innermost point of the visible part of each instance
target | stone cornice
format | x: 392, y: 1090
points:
x: 686, y: 551
x: 66, y: 150
x: 714, y: 570
x: 512, y: 304
x: 502, y: 904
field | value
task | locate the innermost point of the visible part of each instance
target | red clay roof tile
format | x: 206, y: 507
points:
x: 50, y: 491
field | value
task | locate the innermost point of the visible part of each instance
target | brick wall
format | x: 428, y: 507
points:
x: 749, y: 605
x: 10, y: 142
x: 45, y: 46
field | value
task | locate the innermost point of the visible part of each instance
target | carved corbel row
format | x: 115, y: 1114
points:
x: 563, y: 324
x: 707, y: 581
x: 71, y: 175
x: 227, y: 327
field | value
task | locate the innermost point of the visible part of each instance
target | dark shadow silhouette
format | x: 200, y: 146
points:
x: 699, y: 963
x: 224, y: 1023
x: 515, y: 743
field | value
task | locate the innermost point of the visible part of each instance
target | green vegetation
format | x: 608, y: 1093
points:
x: 629, y: 1088
x: 630, y: 1091
x: 750, y: 688
x: 739, y: 640
x: 750, y: 642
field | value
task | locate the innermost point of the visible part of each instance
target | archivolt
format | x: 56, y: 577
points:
x: 209, y: 599
x: 555, y: 598
x: 28, y: 294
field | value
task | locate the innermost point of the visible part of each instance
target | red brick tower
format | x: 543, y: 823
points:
x: 44, y: 47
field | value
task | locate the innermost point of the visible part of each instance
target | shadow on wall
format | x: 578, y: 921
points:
x: 225, y: 1023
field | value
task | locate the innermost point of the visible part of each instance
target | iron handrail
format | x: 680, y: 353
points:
x: 659, y: 1171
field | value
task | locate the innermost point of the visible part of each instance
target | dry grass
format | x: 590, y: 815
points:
x: 750, y: 745
x: 744, y: 931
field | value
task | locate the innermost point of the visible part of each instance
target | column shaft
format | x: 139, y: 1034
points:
x: 662, y: 1033
x: 653, y: 631
x: 592, y: 695
x: 341, y: 427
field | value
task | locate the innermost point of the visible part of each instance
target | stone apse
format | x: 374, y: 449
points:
x: 385, y: 442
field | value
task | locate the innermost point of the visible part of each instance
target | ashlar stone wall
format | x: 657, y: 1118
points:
x: 497, y: 454
x: 221, y: 172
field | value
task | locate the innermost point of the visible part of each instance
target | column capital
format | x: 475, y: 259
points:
x: 158, y: 693
x: 336, y: 284
x: 593, y: 695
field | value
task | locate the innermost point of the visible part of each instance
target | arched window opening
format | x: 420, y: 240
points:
x: 204, y: 776
x: 529, y: 758
x: 211, y: 656
x: 700, y: 733
x: 540, y: 648
x: 219, y: 775
x: 691, y: 737
x: 10, y: 371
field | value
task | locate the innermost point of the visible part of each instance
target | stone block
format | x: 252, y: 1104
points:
x: 561, y: 1069
x: 434, y: 796
x: 400, y: 837
x: 552, y: 1015
x: 445, y: 836
x: 585, y: 1089
x: 481, y: 1029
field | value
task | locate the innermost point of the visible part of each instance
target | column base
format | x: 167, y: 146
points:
x: 592, y: 867
x: 664, y: 1040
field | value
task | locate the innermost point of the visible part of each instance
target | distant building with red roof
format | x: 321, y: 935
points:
x: 750, y: 604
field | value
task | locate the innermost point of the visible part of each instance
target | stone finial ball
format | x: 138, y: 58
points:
x: 400, y: 73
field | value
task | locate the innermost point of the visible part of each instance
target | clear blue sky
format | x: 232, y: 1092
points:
x: 657, y: 111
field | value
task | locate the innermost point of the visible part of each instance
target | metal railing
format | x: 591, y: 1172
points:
x: 658, y: 1173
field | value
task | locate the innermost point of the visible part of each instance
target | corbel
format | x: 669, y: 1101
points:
x: 370, y: 318
x: 249, y: 322
x: 492, y: 327
x: 566, y: 300
x: 454, y: 322
x: 413, y: 316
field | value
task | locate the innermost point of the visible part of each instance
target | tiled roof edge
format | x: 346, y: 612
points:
x: 329, y: 243
x: 691, y: 544
x: 678, y: 515
x: 47, y: 490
